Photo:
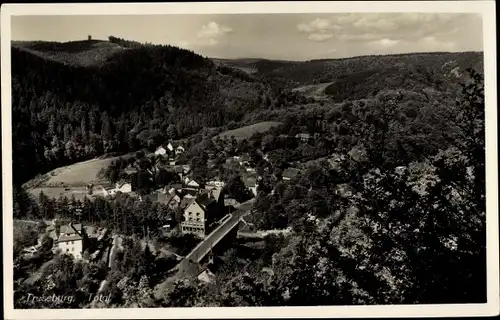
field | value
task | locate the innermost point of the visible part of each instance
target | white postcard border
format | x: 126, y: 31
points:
x: 485, y: 8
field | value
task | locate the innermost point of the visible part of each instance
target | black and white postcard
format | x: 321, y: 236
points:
x: 244, y: 160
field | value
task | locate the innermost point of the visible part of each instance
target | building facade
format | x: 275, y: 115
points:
x: 194, y: 219
x: 72, y: 240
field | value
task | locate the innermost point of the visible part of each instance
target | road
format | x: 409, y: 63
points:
x: 213, y: 238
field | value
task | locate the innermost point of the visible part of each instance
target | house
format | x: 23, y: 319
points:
x: 176, y: 148
x: 119, y: 187
x: 215, y: 192
x: 206, y: 276
x: 172, y: 201
x: 186, y: 168
x: 170, y: 147
x: 124, y: 187
x: 161, y: 151
x: 400, y: 170
x: 216, y: 183
x: 191, y: 183
x: 251, y: 184
x: 173, y: 188
x: 304, y: 137
x: 289, y: 173
x: 244, y: 160
x: 198, y: 215
x: 30, y: 251
x: 179, y: 150
x: 193, y: 192
x: 186, y: 201
x: 72, y: 240
x: 95, y: 233
x: 179, y: 171
x: 103, y: 189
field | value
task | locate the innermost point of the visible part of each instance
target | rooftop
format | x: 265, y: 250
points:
x: 71, y: 229
x: 250, y: 181
x: 204, y: 200
x: 185, y: 202
x: 64, y: 238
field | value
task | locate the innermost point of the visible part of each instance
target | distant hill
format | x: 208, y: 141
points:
x: 241, y: 64
x: 300, y: 73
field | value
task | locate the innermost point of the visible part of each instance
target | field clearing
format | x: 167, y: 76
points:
x: 78, y: 193
x: 313, y: 90
x: 247, y: 131
x: 79, y: 174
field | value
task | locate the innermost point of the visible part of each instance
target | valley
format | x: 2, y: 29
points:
x: 245, y: 182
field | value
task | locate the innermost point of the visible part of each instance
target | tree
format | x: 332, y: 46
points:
x: 236, y: 189
x: 24, y: 236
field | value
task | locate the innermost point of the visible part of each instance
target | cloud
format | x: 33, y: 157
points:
x: 319, y: 29
x: 434, y: 43
x: 375, y: 23
x: 210, y: 34
x: 317, y: 25
x: 363, y: 27
x: 319, y: 37
x: 385, y: 43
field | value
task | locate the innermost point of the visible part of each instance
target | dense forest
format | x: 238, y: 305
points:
x: 388, y: 206
x: 135, y: 98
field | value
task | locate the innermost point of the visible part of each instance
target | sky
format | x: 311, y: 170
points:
x: 271, y: 36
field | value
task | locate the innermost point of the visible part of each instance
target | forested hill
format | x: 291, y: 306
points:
x: 136, y: 96
x: 442, y: 66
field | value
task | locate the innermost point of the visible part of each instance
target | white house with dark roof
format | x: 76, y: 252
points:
x: 191, y: 183
x: 161, y: 151
x: 198, y: 215
x: 121, y: 187
x: 71, y: 240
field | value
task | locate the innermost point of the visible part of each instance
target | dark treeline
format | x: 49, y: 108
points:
x: 123, y: 214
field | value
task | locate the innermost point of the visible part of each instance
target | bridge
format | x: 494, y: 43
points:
x: 226, y: 225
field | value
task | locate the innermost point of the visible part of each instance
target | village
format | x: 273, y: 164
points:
x: 202, y: 204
